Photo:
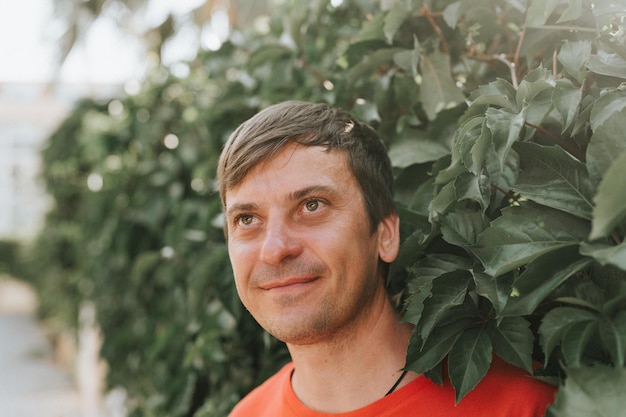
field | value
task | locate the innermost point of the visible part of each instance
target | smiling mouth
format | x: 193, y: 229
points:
x: 289, y: 283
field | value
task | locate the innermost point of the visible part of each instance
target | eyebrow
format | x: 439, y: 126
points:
x: 315, y: 189
x: 241, y: 207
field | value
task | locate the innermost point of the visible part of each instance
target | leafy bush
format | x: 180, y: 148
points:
x: 9, y: 254
x: 505, y: 125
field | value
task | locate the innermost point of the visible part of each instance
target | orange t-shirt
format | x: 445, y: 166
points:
x: 506, y: 391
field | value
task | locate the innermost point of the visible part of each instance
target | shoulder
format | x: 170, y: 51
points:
x: 511, y: 390
x: 506, y: 391
x: 269, y: 392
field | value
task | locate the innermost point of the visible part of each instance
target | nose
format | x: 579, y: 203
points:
x: 279, y: 243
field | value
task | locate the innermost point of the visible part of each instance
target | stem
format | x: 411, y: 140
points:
x: 518, y: 50
x: 616, y: 238
x: 430, y: 16
x: 564, y: 144
x: 507, y: 31
x: 503, y: 191
x: 314, y: 73
x: 511, y: 66
x: 568, y: 28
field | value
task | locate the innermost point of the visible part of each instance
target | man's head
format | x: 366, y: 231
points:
x: 308, y: 124
x: 310, y: 221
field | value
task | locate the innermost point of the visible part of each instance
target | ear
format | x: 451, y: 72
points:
x: 389, y: 238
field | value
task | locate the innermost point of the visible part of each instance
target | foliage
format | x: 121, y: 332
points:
x: 504, y: 121
x: 9, y: 254
x: 591, y: 392
x: 136, y: 20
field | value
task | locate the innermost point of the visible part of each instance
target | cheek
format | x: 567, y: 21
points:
x: 240, y: 262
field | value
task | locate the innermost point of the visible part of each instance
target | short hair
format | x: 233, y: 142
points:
x: 310, y: 124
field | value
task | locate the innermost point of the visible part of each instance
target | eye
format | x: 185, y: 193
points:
x: 312, y: 205
x: 244, y: 219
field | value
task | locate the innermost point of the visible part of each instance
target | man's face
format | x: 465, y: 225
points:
x: 306, y: 264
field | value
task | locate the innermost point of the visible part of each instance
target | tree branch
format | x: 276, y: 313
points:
x: 503, y: 191
x: 616, y: 238
x: 430, y: 16
x: 518, y: 50
x: 574, y: 151
x: 512, y: 68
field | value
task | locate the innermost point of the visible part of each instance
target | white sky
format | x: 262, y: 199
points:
x: 27, y: 48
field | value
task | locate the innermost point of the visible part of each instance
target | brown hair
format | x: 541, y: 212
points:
x: 308, y: 124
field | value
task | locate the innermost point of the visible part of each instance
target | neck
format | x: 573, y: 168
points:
x: 357, y: 368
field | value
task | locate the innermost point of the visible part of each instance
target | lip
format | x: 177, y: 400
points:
x: 287, y: 283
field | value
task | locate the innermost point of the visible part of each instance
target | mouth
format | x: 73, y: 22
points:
x: 288, y: 283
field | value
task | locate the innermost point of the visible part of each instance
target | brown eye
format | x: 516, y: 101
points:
x: 312, y: 205
x: 245, y: 220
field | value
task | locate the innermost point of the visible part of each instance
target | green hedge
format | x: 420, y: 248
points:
x: 505, y: 125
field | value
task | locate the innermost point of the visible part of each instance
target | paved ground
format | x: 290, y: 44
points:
x: 31, y: 384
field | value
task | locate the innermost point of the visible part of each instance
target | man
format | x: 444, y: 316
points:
x: 311, y: 228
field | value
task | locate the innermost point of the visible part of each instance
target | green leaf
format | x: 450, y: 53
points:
x: 448, y: 290
x: 608, y: 122
x: 532, y: 85
x: 357, y: 50
x: 605, y: 253
x: 372, y: 29
x: 469, y: 360
x: 538, y: 110
x: 407, y: 152
x: 415, y: 232
x: 420, y: 200
x: 451, y: 14
x: 438, y: 91
x: 409, y: 59
x: 462, y: 227
x: 503, y: 176
x: 613, y: 335
x: 475, y: 188
x: 550, y: 176
x: 423, y: 273
x: 512, y: 340
x: 421, y: 290
x: 523, y: 233
x: 610, y: 208
x: 474, y: 159
x: 499, y: 93
x: 539, y: 11
x: 435, y: 265
x: 566, y: 99
x: 469, y: 150
x: 575, y: 339
x: 394, y: 18
x: 505, y: 129
x: 422, y: 356
x: 556, y: 322
x: 268, y: 54
x: 574, y: 11
x: 609, y: 64
x: 369, y: 63
x: 541, y: 277
x: 609, y: 106
x: 496, y: 290
x: 574, y: 56
x: 442, y: 201
x: 596, y: 391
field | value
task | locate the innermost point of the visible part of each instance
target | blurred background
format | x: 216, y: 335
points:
x: 54, y: 53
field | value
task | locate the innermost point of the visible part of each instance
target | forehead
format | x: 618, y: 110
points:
x: 293, y: 167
